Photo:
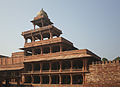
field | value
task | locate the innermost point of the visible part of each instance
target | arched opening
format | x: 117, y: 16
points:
x: 56, y: 49
x: 55, y: 79
x: 36, y: 67
x: 29, y: 40
x: 77, y: 64
x: 55, y: 66
x: 28, y: 79
x: 66, y: 65
x: 45, y: 79
x: 77, y: 79
x: 45, y: 67
x: 65, y: 79
x: 46, y: 50
x: 28, y: 67
x: 36, y: 79
x: 46, y: 36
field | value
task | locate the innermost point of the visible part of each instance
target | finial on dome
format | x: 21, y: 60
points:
x: 42, y: 13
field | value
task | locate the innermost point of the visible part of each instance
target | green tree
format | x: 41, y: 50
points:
x: 117, y: 58
x: 104, y: 59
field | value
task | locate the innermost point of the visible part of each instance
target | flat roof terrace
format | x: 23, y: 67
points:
x: 47, y: 42
x: 74, y: 54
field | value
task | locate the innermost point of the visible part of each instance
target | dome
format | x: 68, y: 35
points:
x: 42, y: 13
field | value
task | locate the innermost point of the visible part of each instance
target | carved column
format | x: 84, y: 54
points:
x: 41, y: 49
x: 60, y: 79
x: 33, y: 51
x: 40, y: 79
x: 60, y: 47
x: 34, y: 26
x: 23, y: 78
x: 40, y: 67
x: 41, y: 35
x: 60, y: 66
x: 32, y: 79
x: 71, y: 79
x: 71, y: 62
x: 83, y: 78
x: 50, y: 49
x: 50, y: 67
x: 33, y: 39
x: 51, y: 36
x: 50, y: 80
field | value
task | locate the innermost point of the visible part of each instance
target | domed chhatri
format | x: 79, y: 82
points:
x: 42, y: 13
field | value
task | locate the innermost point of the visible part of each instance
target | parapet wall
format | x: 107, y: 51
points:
x: 104, y: 74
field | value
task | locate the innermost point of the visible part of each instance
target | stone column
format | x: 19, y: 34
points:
x: 34, y: 26
x: 50, y: 80
x: 60, y: 66
x: 33, y: 51
x: 51, y: 36
x: 41, y: 35
x: 41, y: 49
x: 71, y: 65
x: 32, y: 67
x: 60, y: 79
x: 60, y: 47
x: 71, y: 79
x: 40, y: 79
x: 32, y: 79
x: 25, y: 40
x: 50, y: 67
x: 23, y: 78
x: 40, y: 67
x: 83, y: 78
x: 33, y: 39
x: 83, y: 68
x: 50, y: 49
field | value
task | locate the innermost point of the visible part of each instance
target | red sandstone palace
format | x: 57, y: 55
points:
x: 47, y: 60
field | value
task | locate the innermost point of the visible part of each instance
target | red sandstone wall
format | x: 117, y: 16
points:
x: 104, y: 75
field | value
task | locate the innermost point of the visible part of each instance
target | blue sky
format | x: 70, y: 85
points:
x: 89, y: 24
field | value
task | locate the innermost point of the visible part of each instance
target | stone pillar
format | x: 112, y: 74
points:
x: 50, y: 80
x: 25, y: 40
x: 33, y: 51
x: 41, y: 35
x: 23, y: 78
x: 32, y: 79
x: 60, y: 79
x: 32, y: 67
x: 40, y: 79
x: 83, y: 68
x: 60, y: 66
x: 33, y: 39
x: 50, y: 49
x: 71, y: 65
x: 40, y: 67
x: 41, y: 49
x: 50, y: 67
x: 51, y: 36
x: 60, y: 47
x: 83, y: 78
x: 34, y: 27
x: 71, y: 79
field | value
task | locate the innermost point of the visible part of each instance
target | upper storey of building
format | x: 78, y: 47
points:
x: 45, y: 35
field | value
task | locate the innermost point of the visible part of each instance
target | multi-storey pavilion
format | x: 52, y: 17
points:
x: 51, y: 59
